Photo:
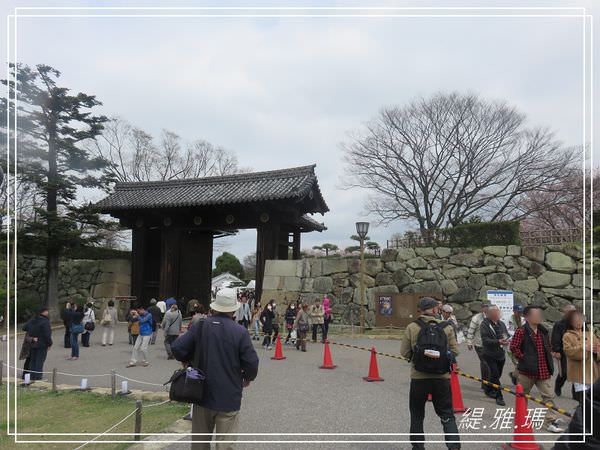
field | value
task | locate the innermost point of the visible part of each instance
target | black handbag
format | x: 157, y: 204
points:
x: 90, y: 326
x: 187, y: 385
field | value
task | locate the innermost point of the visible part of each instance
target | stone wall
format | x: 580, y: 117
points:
x: 548, y: 276
x: 78, y: 279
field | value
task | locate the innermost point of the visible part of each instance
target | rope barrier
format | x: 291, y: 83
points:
x: 109, y: 430
x: 139, y: 381
x: 472, y: 377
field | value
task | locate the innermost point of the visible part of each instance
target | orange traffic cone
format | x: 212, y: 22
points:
x: 278, y: 350
x: 373, y: 369
x: 457, y: 401
x: 523, y: 439
x: 327, y: 362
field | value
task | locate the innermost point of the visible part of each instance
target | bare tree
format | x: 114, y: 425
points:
x: 441, y: 160
x: 137, y: 156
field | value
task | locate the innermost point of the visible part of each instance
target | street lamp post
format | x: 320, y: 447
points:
x: 362, y: 228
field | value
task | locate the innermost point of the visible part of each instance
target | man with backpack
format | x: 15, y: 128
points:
x: 430, y: 344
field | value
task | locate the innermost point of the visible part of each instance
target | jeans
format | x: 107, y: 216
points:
x: 85, y: 338
x: 169, y: 339
x: 314, y: 331
x: 439, y: 388
x: 496, y: 366
x: 74, y: 345
x: 140, y: 346
x: 108, y: 335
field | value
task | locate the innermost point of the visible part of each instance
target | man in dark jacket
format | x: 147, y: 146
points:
x: 558, y: 331
x: 494, y: 339
x: 39, y: 333
x: 531, y: 346
x: 157, y: 317
x: 229, y: 363
x: 577, y: 431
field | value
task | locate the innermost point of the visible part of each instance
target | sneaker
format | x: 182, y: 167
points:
x: 188, y: 416
x: 500, y: 401
x: 513, y: 378
x: 269, y: 348
x: 145, y: 364
x: 555, y: 427
x: 103, y: 345
x: 131, y: 365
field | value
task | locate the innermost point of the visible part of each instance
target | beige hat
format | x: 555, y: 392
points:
x: 226, y: 301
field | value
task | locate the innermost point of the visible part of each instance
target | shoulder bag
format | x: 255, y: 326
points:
x: 187, y: 385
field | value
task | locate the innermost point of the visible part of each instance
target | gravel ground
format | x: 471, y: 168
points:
x: 294, y: 396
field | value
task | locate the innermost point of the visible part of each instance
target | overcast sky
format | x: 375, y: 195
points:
x: 283, y: 92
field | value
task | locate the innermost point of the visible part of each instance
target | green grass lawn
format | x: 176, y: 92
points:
x: 80, y: 412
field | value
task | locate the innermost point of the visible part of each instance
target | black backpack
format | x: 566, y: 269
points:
x: 431, y: 339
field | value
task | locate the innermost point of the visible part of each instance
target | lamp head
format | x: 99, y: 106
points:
x: 362, y: 228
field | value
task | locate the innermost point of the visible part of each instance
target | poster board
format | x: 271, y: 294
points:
x: 505, y: 301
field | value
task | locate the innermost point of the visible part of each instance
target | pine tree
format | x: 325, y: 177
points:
x: 51, y: 124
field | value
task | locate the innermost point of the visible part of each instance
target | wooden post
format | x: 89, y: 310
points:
x: 54, y: 380
x: 1, y: 371
x: 113, y: 383
x: 138, y: 419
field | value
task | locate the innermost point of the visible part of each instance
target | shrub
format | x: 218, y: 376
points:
x: 480, y: 234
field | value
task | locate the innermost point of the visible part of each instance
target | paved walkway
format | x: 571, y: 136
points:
x: 294, y: 396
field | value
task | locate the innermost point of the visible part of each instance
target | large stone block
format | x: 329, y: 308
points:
x: 354, y: 265
x: 392, y: 266
x: 463, y: 295
x: 449, y: 287
x: 426, y: 287
x: 355, y: 280
x: 292, y: 284
x: 466, y: 259
x: 114, y: 277
x: 518, y: 273
x: 554, y: 279
x: 384, y: 278
x: 438, y: 263
x: 417, y: 263
x: 425, y: 252
x: 334, y: 265
x: 272, y: 283
x: 485, y: 269
x: 577, y: 281
x: 534, y: 252
x: 496, y: 250
x: 316, y: 267
x: 476, y: 281
x: 303, y: 268
x: 456, y: 272
x: 111, y: 290
x: 513, y: 250
x: 323, y: 285
x: 307, y: 284
x: 282, y: 298
x: 560, y: 262
x: 389, y: 254
x: 424, y: 274
x: 443, y: 252
x: 500, y: 280
x: 528, y: 286
x: 281, y: 267
x: 115, y: 265
x: 572, y: 293
x: 404, y: 254
x: 401, y: 278
x: 373, y: 266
